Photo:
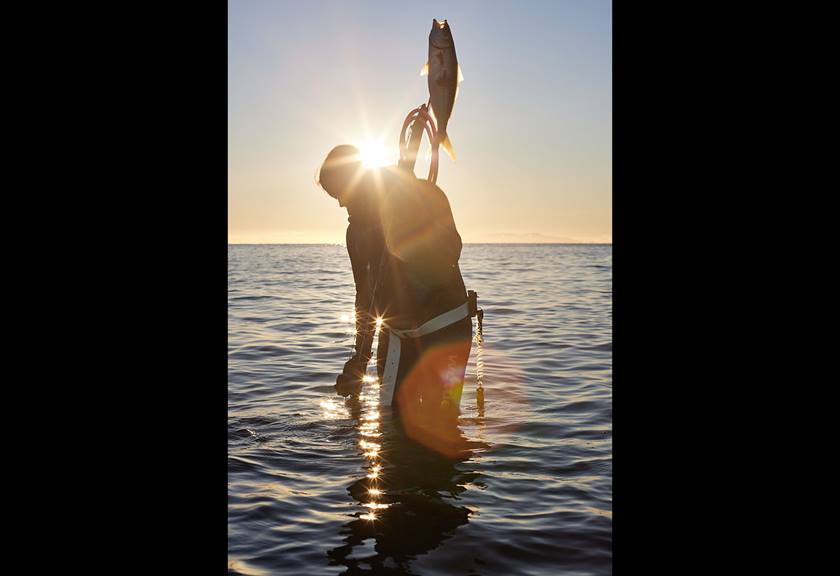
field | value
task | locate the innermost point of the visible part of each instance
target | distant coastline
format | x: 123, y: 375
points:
x: 524, y: 238
x: 465, y: 244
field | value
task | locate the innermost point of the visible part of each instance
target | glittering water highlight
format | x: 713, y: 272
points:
x: 322, y: 485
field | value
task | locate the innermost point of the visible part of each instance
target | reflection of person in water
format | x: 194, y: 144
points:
x: 404, y: 250
x: 418, y: 486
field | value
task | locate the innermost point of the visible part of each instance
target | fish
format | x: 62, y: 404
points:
x: 444, y: 77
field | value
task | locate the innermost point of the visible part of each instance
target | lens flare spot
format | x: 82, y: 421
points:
x: 375, y: 154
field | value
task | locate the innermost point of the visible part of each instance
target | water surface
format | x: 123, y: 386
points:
x: 318, y: 485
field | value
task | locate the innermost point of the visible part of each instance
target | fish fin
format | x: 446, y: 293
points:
x: 447, y: 145
x: 457, y: 89
x: 460, y: 74
x: 424, y: 71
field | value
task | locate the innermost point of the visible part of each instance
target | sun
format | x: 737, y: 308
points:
x: 375, y: 154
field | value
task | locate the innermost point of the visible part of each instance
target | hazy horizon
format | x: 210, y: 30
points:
x: 465, y: 243
x: 499, y: 238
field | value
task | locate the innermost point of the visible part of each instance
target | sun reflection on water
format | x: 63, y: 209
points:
x: 369, y: 428
x: 332, y: 410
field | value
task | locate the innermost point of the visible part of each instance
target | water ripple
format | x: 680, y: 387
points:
x: 318, y: 485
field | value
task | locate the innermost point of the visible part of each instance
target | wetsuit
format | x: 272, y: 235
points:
x: 404, y: 250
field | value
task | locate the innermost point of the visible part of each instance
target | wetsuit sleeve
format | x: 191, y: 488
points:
x: 361, y: 264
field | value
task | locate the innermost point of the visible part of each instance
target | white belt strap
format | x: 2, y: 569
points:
x: 392, y: 364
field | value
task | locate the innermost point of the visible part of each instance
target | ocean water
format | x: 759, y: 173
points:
x: 321, y: 485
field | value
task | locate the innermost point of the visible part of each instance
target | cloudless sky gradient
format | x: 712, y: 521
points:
x: 532, y: 126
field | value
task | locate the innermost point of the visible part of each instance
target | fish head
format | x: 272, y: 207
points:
x: 441, y: 34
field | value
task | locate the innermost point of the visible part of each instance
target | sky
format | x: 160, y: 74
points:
x: 532, y: 125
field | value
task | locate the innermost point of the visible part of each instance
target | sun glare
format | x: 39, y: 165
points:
x: 375, y: 154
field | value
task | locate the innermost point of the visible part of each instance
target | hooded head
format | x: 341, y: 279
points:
x: 340, y: 173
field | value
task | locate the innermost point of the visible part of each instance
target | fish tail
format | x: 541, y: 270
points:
x: 447, y: 145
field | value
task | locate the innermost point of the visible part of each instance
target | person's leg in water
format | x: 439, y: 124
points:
x: 406, y: 400
x: 448, y: 352
x: 401, y: 402
x: 430, y: 382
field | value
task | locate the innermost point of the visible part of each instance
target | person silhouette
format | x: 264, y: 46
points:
x: 404, y: 250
